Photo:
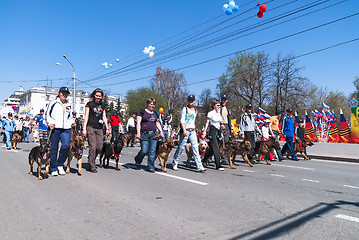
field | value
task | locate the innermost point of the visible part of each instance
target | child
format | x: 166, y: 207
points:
x: 266, y: 134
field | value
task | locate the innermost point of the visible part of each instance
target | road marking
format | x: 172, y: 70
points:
x: 349, y: 186
x: 309, y: 180
x: 293, y: 167
x: 349, y: 218
x: 276, y: 175
x: 335, y: 162
x: 182, y: 178
x: 172, y: 176
x: 248, y: 171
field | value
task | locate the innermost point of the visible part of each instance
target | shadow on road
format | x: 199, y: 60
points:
x: 289, y: 223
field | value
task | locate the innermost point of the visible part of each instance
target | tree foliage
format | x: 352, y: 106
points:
x: 136, y: 99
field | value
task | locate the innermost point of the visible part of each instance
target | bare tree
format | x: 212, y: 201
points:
x: 170, y: 86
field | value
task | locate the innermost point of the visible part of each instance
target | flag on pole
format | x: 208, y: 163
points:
x: 296, y: 122
x: 325, y: 108
x: 309, y: 130
x: 344, y: 132
x: 333, y: 133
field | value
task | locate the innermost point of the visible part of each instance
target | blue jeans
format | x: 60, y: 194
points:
x: 26, y: 133
x: 148, y: 147
x: 279, y: 152
x: 8, y: 135
x: 289, y: 144
x: 65, y: 136
x: 192, y: 137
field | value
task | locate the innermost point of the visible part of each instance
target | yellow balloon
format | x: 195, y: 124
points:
x: 160, y: 110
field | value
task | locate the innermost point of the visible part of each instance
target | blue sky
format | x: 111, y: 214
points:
x: 35, y: 34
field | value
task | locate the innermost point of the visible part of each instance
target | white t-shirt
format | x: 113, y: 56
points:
x: 265, y: 132
x: 215, y: 118
x: 189, y: 118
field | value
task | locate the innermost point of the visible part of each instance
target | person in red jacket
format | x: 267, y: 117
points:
x: 116, y: 125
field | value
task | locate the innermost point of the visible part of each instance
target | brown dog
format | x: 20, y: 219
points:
x: 126, y: 138
x: 264, y: 148
x: 301, y: 148
x: 234, y: 148
x: 15, y: 139
x: 163, y: 152
x: 202, y: 148
x: 40, y: 155
x: 77, y: 146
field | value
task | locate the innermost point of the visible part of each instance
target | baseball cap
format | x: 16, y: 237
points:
x: 289, y: 110
x: 249, y: 105
x: 64, y: 89
x: 42, y: 110
x: 191, y: 97
x: 267, y: 121
x: 9, y: 114
x: 278, y: 112
x: 224, y: 96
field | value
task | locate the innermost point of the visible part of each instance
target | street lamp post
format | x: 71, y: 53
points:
x: 74, y: 78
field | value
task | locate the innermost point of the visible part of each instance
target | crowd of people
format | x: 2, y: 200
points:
x: 149, y: 127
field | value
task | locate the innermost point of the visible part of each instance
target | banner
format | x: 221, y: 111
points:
x: 344, y: 132
x: 333, y: 133
x: 354, y: 119
x: 309, y: 130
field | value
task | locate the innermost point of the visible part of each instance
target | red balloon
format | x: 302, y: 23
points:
x: 263, y: 8
x: 260, y: 14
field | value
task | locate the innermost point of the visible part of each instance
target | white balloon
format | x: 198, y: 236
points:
x: 151, y: 54
x: 225, y: 6
x: 117, y: 60
x: 146, y: 50
x: 231, y: 4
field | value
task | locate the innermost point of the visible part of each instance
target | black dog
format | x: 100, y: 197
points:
x: 109, y: 150
x: 40, y: 155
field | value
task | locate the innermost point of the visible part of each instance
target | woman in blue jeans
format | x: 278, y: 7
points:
x: 26, y: 129
x: 147, y: 127
x: 9, y: 125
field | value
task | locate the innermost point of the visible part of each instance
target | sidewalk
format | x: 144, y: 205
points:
x: 335, y: 152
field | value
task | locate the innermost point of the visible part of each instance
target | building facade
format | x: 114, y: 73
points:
x: 37, y: 98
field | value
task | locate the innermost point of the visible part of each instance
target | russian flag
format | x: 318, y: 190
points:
x: 309, y: 130
x: 325, y: 108
x: 344, y: 132
x: 261, y: 111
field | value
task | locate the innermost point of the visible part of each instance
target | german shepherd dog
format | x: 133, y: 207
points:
x: 40, y: 155
x: 301, y: 148
x: 234, y: 148
x: 77, y: 146
x: 202, y: 148
x: 15, y: 139
x: 126, y: 138
x: 111, y: 149
x: 264, y: 148
x: 163, y: 152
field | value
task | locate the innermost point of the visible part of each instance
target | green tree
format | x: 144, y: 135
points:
x: 118, y: 105
x: 111, y: 109
x: 105, y: 101
x: 136, y: 99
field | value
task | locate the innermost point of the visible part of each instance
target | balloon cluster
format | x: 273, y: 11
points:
x: 230, y: 7
x: 14, y: 107
x: 150, y: 51
x: 262, y: 9
x: 106, y: 65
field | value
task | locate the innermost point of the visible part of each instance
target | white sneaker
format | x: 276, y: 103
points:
x: 54, y: 173
x: 221, y: 169
x: 61, y: 170
x: 174, y: 167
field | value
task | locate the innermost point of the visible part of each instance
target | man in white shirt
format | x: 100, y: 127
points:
x: 131, y: 129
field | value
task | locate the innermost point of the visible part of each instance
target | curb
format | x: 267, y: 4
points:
x: 338, y: 159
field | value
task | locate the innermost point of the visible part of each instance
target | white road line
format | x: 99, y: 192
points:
x: 182, y: 178
x: 172, y: 176
x: 349, y: 186
x: 280, y: 165
x: 276, y: 175
x: 248, y: 171
x: 309, y: 180
x: 335, y: 162
x: 349, y: 218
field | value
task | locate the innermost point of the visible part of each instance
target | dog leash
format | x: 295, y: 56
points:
x: 48, y: 139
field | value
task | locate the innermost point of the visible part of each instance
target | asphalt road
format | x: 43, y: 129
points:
x: 288, y: 200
